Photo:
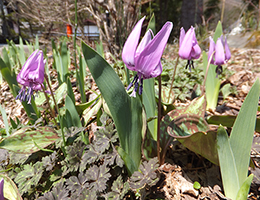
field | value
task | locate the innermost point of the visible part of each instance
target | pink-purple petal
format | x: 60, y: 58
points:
x: 149, y: 58
x: 146, y: 39
x: 156, y: 72
x: 182, y: 35
x: 2, y: 189
x: 186, y: 45
x: 129, y: 49
x: 227, y: 51
x: 211, y: 50
x: 220, y: 54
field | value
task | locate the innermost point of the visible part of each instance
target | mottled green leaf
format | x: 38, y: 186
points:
x: 22, y: 141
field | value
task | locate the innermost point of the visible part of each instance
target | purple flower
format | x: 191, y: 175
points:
x: 31, y: 76
x: 188, y: 46
x: 145, y: 57
x: 220, y: 51
x: 2, y: 189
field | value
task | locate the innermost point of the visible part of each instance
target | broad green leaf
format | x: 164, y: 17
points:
x: 228, y: 121
x: 9, y: 77
x: 148, y: 96
x: 88, y: 113
x: 202, y: 143
x: 218, y: 32
x: 150, y: 106
x: 212, y: 83
x: 126, y: 112
x: 126, y: 158
x: 188, y: 119
x: 244, y: 189
x: 99, y: 48
x: 228, y: 166
x: 226, y: 90
x: 23, y: 140
x: 65, y: 60
x: 80, y: 75
x: 11, y: 192
x: 242, y: 133
x: 70, y: 106
x: 70, y: 90
x: 81, y: 107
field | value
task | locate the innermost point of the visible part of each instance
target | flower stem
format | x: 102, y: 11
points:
x: 159, y: 120
x: 206, y: 75
x: 49, y: 105
x: 75, y: 34
x: 174, y: 72
x: 49, y: 86
x: 57, y: 109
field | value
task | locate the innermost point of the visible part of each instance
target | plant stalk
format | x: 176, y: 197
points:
x: 75, y: 35
x: 49, y: 105
x: 159, y: 120
x: 174, y: 72
x: 206, y: 75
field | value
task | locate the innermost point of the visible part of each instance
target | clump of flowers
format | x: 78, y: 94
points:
x: 31, y: 76
x: 220, y: 51
x: 188, y: 46
x: 145, y: 57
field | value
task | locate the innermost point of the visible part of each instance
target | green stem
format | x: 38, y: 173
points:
x: 159, y: 120
x: 49, y: 105
x: 175, y: 67
x: 75, y: 35
x: 57, y: 109
x: 206, y: 75
x: 49, y: 86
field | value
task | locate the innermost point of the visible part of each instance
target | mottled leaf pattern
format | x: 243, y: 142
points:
x: 146, y: 175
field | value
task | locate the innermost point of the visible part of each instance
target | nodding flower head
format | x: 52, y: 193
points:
x: 220, y: 51
x: 31, y: 76
x: 188, y: 46
x: 145, y: 57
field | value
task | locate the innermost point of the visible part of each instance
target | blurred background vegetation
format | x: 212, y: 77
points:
x: 110, y: 21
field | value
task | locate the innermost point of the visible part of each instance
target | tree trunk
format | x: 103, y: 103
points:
x: 191, y: 13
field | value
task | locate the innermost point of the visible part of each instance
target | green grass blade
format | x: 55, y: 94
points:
x: 21, y: 54
x: 2, y: 111
x: 65, y: 60
x: 227, y: 163
x: 241, y: 137
x: 126, y: 112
